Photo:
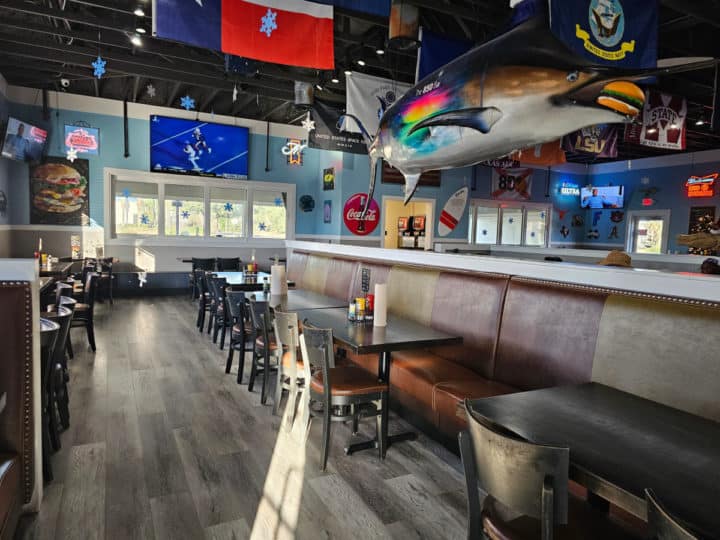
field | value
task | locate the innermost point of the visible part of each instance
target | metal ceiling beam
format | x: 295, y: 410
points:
x: 699, y: 10
x: 208, y: 100
x: 173, y: 94
x: 272, y: 111
x: 241, y: 103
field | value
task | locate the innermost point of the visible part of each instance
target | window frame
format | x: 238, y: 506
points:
x: 501, y: 205
x: 112, y: 175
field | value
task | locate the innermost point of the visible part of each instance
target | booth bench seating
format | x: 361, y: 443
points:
x: 524, y: 334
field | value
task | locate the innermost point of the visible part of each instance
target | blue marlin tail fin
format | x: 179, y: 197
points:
x: 342, y: 122
x: 411, y: 185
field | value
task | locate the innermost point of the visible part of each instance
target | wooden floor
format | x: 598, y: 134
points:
x: 163, y: 444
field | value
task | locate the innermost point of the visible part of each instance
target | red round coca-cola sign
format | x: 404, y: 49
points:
x: 353, y: 210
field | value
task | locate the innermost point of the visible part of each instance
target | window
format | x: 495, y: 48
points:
x: 269, y: 214
x: 508, y: 223
x: 136, y: 208
x: 184, y: 210
x: 227, y: 212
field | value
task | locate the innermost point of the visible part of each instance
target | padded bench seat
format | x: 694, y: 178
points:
x: 10, y: 494
x: 448, y: 397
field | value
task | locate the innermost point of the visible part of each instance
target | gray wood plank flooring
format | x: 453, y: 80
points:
x: 164, y: 445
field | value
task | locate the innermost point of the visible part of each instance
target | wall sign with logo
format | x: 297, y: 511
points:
x: 83, y: 139
x: 329, y: 179
x: 512, y: 184
x: 569, y: 189
x: 353, y: 210
x: 293, y: 151
x: 701, y: 186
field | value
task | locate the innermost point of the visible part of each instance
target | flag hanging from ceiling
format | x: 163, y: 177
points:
x: 292, y: 32
x: 664, y: 122
x: 611, y: 32
x: 381, y: 8
x: 436, y: 51
x: 599, y: 141
x: 368, y: 98
x: 545, y: 155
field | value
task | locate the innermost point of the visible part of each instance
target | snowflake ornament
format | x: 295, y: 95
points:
x: 99, y: 67
x: 144, y: 219
x: 187, y: 103
x: 511, y: 220
x: 228, y: 207
x: 308, y: 124
x: 126, y: 193
x: 71, y: 154
x: 278, y: 201
x: 262, y: 226
x: 150, y: 90
x: 185, y: 214
x: 268, y: 23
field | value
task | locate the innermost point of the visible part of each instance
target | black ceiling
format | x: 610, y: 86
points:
x: 42, y: 41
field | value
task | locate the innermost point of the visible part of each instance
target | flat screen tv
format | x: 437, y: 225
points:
x: 23, y: 141
x: 602, y: 197
x: 200, y: 148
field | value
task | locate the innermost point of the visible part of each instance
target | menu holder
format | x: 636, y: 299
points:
x: 365, y: 280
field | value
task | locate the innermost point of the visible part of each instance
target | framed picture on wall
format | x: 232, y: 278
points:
x: 327, y: 211
x: 329, y: 179
x: 60, y: 192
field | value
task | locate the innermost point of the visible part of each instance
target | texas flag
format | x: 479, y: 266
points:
x: 293, y: 32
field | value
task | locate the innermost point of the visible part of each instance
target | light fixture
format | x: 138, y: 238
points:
x: 379, y: 51
x: 360, y: 62
x: 319, y: 86
x: 140, y: 30
x: 347, y: 72
x: 135, y: 40
x: 139, y: 12
x: 335, y: 79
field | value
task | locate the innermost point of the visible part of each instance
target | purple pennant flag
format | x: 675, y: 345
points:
x: 599, y: 141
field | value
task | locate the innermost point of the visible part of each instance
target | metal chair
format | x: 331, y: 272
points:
x: 106, y: 280
x: 50, y: 437
x: 203, y: 298
x: 242, y: 332
x: 206, y: 265
x: 290, y: 370
x: 57, y: 385
x: 342, y: 393
x: 662, y: 525
x: 264, y: 348
x: 221, y: 318
x: 228, y: 265
x: 527, y: 489
x: 84, y: 311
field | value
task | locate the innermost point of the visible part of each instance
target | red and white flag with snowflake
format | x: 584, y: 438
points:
x: 292, y: 32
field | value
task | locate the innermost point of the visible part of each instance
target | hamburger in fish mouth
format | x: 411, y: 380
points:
x: 58, y: 189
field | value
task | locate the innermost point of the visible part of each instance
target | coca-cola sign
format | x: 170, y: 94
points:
x: 352, y: 215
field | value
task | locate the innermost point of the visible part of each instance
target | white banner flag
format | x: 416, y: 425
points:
x: 368, y: 97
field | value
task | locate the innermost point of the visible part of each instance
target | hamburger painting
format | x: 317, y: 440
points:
x: 59, y: 192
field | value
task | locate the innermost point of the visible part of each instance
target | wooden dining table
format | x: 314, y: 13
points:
x: 620, y: 444
x: 364, y: 338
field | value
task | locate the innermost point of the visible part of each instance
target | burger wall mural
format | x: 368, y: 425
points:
x: 60, y: 192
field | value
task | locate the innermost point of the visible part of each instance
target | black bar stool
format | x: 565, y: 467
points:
x: 48, y: 338
x: 59, y: 377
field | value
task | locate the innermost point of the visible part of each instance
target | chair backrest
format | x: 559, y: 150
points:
x: 527, y: 478
x: 228, y: 265
x: 63, y: 316
x: 210, y: 282
x: 259, y: 313
x: 203, y: 264
x: 316, y: 345
x: 106, y: 265
x: 287, y: 336
x: 236, y: 304
x: 90, y: 290
x: 661, y: 525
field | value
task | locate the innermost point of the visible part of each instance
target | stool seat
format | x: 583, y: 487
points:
x: 348, y: 381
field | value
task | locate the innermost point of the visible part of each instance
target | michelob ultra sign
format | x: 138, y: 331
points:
x: 86, y: 140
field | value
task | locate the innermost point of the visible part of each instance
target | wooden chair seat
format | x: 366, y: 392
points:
x: 583, y: 522
x: 287, y: 361
x: 348, y: 381
x: 81, y: 307
x: 260, y: 344
x: 246, y: 328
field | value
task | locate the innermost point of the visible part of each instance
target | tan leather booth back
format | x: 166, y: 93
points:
x: 471, y: 306
x: 660, y: 350
x: 341, y: 273
x: 379, y: 273
x: 547, y: 334
x: 16, y: 376
x: 296, y: 268
x: 411, y: 292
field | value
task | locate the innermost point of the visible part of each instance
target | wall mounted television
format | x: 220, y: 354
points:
x: 199, y: 148
x: 23, y: 141
x: 602, y: 197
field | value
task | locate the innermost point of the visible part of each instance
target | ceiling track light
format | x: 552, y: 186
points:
x: 347, y: 72
x: 140, y: 30
x: 379, y: 51
x: 139, y: 12
x: 360, y: 62
x: 135, y: 40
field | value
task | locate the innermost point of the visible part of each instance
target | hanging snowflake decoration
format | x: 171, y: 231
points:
x: 185, y: 214
x: 150, y: 90
x: 228, y: 207
x: 484, y: 232
x: 144, y: 219
x: 511, y: 220
x: 542, y: 215
x: 235, y: 93
x: 99, y: 67
x: 532, y: 235
x: 126, y: 193
x: 187, y: 103
x: 263, y: 227
x: 71, y: 154
x: 279, y: 201
x: 308, y: 124
x: 268, y: 23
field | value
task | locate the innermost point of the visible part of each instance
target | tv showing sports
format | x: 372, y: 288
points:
x: 598, y: 198
x: 85, y: 140
x: 200, y: 148
x: 23, y: 141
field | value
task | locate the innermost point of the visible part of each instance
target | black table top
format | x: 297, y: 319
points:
x: 58, y: 269
x: 300, y: 299
x: 362, y: 338
x: 627, y: 441
x: 245, y: 281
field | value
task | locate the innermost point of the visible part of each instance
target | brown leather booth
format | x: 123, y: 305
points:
x: 16, y: 421
x: 523, y: 334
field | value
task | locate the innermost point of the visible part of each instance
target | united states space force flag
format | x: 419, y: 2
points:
x: 368, y: 98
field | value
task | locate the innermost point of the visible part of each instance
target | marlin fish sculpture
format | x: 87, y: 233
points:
x: 518, y: 90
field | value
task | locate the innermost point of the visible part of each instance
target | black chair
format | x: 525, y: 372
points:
x: 339, y: 394
x: 242, y: 334
x: 215, y: 303
x: 527, y: 489
x: 222, y: 320
x: 203, y: 298
x: 661, y: 524
x: 206, y: 265
x: 59, y: 376
x: 228, y: 265
x: 84, y: 311
x: 263, y: 358
x: 70, y: 303
x: 50, y: 437
x: 106, y: 279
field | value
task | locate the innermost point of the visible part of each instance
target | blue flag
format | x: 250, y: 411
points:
x: 195, y: 22
x: 381, y: 8
x: 620, y: 33
x: 437, y: 50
